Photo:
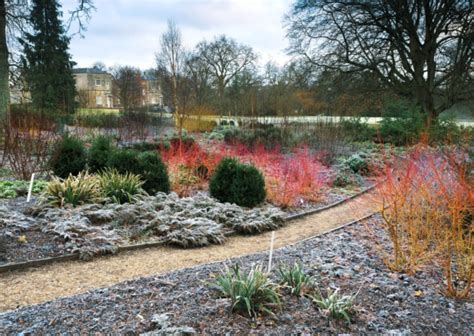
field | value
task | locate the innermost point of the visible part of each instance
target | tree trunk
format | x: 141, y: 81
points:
x: 177, y: 117
x: 221, y: 88
x: 425, y: 100
x: 4, y: 69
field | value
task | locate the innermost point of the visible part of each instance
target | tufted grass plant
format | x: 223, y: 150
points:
x: 252, y: 293
x: 295, y: 279
x: 335, y: 304
x: 74, y: 190
x: 120, y: 188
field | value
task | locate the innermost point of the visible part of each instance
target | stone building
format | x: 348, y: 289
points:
x: 94, y: 88
x: 152, y: 95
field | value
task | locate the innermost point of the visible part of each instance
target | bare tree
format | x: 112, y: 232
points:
x: 127, y: 86
x: 199, y: 73
x: 170, y: 59
x: 226, y: 58
x: 418, y: 48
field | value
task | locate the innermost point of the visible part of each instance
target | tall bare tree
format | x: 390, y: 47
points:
x: 226, y: 58
x: 170, y: 60
x: 419, y: 48
x: 199, y: 74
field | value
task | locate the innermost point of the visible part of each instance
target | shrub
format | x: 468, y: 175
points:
x: 344, y: 177
x: 124, y: 160
x: 99, y: 119
x: 99, y: 153
x: 336, y: 305
x: 145, y: 146
x: 154, y: 173
x: 13, y: 189
x: 26, y: 140
x: 251, y: 293
x: 267, y: 136
x: 358, y: 163
x: 69, y: 157
x: 222, y: 178
x: 426, y: 207
x: 406, y: 129
x: 74, y: 190
x: 358, y: 130
x: 248, y: 186
x: 120, y: 188
x: 295, y: 279
x: 237, y: 183
x: 444, y: 130
x: 184, y: 144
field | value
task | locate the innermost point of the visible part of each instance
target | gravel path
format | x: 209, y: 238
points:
x: 32, y: 286
x: 387, y: 303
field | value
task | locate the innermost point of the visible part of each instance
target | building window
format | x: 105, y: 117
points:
x: 98, y: 100
x: 97, y: 82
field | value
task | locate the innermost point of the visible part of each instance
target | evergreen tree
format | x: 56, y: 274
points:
x: 47, y: 61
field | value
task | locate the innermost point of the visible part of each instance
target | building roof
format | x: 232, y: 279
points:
x: 88, y: 70
x: 149, y: 76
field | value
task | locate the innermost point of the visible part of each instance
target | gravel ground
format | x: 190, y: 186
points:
x: 37, y: 285
x: 387, y: 302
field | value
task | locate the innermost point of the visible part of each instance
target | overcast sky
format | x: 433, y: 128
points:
x: 127, y: 32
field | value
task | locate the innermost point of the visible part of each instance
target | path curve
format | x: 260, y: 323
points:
x: 36, y: 285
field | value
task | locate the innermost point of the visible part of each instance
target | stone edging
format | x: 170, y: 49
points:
x: 75, y: 256
x: 329, y: 206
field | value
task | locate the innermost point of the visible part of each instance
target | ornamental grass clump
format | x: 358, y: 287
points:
x: 74, y: 190
x: 295, y: 279
x: 336, y: 305
x: 252, y: 293
x: 120, y: 188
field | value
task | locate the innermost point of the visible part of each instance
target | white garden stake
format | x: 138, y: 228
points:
x: 30, y: 189
x: 271, y: 252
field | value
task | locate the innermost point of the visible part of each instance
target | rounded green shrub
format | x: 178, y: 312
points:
x: 154, y: 173
x: 99, y: 153
x: 124, y: 161
x: 222, y: 178
x: 237, y: 183
x: 69, y: 157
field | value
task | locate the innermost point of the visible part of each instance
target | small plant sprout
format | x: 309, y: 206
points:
x: 251, y: 292
x: 295, y: 279
x: 336, y: 305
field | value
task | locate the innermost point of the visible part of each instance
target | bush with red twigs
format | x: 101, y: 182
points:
x: 289, y: 178
x: 427, y: 210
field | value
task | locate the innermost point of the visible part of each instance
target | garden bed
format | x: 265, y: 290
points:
x: 386, y: 303
x: 25, y: 240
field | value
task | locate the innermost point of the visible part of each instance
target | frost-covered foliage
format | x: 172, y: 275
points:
x: 187, y: 222
x: 193, y: 232
x: 80, y: 235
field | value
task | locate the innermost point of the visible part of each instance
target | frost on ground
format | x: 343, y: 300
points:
x: 193, y: 221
